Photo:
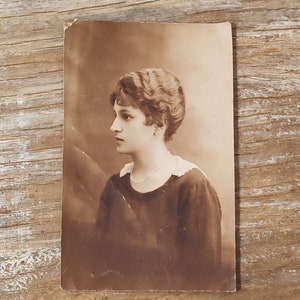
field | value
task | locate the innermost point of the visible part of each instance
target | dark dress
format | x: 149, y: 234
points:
x: 166, y: 239
x: 169, y: 238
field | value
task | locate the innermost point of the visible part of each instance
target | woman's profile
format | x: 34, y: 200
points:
x: 159, y: 220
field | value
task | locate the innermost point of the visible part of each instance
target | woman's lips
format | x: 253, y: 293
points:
x: 119, y: 139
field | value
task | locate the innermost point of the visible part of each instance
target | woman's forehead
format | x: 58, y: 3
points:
x: 126, y: 108
x: 124, y: 99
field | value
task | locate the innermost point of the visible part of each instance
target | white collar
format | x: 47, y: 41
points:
x: 182, y: 167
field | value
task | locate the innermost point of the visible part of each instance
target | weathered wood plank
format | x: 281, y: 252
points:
x: 267, y: 89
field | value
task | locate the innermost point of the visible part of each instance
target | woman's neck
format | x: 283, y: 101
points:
x: 152, y: 169
x: 147, y: 160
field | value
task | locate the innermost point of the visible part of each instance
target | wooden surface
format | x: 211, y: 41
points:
x: 267, y: 89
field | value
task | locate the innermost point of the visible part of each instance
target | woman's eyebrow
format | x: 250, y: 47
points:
x: 124, y: 110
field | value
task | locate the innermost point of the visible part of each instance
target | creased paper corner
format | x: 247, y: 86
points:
x: 68, y: 23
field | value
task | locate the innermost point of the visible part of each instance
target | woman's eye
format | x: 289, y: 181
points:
x: 126, y: 117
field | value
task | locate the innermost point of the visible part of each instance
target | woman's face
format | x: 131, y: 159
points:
x: 131, y: 133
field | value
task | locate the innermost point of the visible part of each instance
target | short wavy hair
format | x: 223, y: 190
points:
x: 157, y: 93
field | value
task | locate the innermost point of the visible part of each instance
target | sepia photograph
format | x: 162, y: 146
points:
x: 148, y: 165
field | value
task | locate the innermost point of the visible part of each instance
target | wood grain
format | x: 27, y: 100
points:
x: 267, y: 91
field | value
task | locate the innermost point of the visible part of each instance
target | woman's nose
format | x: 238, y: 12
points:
x: 115, y: 126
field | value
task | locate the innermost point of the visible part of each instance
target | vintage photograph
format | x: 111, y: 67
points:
x: 148, y: 168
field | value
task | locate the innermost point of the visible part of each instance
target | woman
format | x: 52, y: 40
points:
x: 158, y: 223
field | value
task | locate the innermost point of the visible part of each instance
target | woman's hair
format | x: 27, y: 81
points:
x: 157, y: 93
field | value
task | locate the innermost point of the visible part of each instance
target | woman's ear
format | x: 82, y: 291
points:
x: 159, y: 130
x: 156, y: 130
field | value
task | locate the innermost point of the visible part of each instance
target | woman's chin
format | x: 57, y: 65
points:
x: 122, y: 151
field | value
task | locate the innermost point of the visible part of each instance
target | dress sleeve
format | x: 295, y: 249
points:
x: 199, y: 228
x: 103, y: 213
